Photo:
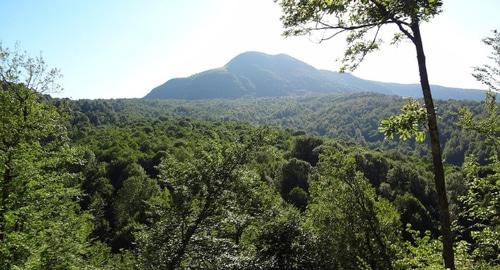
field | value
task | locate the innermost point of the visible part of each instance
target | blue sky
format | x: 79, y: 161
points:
x: 113, y: 49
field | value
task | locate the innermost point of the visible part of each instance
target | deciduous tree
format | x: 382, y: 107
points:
x: 41, y: 225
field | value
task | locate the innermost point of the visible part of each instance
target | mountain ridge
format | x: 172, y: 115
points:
x: 257, y: 74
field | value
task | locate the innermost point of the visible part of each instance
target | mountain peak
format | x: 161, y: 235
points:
x: 264, y: 60
x: 259, y: 74
x: 257, y: 54
x: 249, y: 57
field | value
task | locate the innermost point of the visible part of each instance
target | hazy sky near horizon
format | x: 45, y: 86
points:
x: 124, y: 48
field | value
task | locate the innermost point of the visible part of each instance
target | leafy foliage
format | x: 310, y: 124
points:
x: 41, y: 224
x: 204, y: 194
x: 347, y: 219
x: 489, y: 74
x: 481, y: 205
x: 361, y: 21
x: 408, y: 124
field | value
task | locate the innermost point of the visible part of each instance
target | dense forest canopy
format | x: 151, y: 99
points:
x: 351, y: 117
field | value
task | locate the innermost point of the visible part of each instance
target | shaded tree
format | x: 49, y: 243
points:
x: 295, y: 174
x: 130, y: 206
x: 413, y: 212
x: 298, y: 197
x: 374, y: 167
x: 303, y: 148
x: 280, y: 245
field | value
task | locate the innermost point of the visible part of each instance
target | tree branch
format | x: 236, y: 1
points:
x: 365, y: 52
x: 406, y: 32
x: 392, y: 18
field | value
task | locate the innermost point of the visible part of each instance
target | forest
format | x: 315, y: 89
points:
x: 316, y: 181
x: 352, y: 117
x: 133, y: 184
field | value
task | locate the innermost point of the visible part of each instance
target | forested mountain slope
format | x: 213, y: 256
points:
x: 353, y: 117
x: 256, y: 74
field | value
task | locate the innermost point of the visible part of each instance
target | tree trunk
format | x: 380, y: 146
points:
x: 439, y: 178
x: 186, y: 238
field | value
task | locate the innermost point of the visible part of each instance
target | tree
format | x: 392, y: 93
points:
x: 206, y: 193
x: 303, y: 148
x: 294, y: 174
x: 41, y: 224
x: 33, y: 73
x: 480, y: 208
x: 129, y: 205
x: 280, y: 244
x: 363, y: 21
x: 352, y: 226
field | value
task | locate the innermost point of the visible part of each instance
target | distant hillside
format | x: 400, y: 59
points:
x: 255, y: 74
x: 351, y: 117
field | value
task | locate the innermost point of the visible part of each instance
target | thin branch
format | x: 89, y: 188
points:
x: 332, y: 36
x: 365, y: 52
x: 344, y: 28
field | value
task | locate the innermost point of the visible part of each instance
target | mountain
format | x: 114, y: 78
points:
x: 257, y: 74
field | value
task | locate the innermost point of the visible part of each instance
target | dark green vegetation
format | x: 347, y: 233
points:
x: 255, y: 74
x: 167, y: 192
x: 138, y: 184
x: 352, y: 117
x: 144, y: 190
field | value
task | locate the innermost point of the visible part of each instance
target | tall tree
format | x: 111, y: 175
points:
x: 348, y: 219
x: 206, y: 195
x: 363, y: 20
x: 41, y: 225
